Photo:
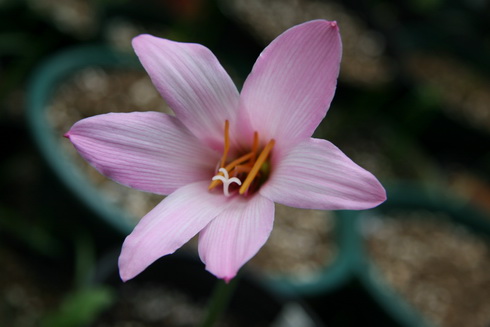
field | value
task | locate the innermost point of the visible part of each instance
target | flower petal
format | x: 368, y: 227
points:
x: 315, y: 174
x: 149, y: 151
x: 293, y: 82
x: 236, y: 235
x: 193, y: 83
x: 168, y: 226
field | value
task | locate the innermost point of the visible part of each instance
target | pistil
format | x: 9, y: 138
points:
x: 229, y: 167
x: 226, y: 180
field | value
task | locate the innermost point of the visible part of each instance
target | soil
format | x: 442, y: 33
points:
x: 154, y: 304
x: 438, y: 266
x: 301, y: 244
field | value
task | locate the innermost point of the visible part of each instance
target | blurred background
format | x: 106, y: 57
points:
x: 412, y: 105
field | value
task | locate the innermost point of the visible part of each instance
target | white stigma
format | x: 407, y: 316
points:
x: 226, y: 180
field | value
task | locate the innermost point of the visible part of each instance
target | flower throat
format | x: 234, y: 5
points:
x: 248, y: 170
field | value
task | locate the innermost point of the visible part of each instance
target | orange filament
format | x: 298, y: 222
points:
x: 242, y: 169
x: 238, y: 161
x: 248, y: 163
x: 256, y: 167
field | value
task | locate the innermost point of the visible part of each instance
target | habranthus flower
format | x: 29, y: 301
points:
x: 226, y: 157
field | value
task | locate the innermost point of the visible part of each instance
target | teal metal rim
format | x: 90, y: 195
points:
x: 409, y: 196
x: 41, y: 88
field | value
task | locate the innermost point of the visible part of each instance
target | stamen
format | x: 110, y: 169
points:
x: 227, y: 144
x: 242, y: 169
x: 238, y: 161
x: 229, y: 167
x: 226, y: 180
x: 248, y: 164
x: 256, y: 167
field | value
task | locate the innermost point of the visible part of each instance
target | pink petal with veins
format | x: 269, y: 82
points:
x: 168, y: 226
x: 315, y: 174
x: 149, y: 151
x: 292, y: 83
x: 236, y: 235
x: 193, y: 83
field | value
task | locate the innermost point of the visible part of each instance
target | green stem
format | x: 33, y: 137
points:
x: 218, y: 302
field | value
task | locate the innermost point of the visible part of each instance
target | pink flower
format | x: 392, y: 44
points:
x: 225, y: 158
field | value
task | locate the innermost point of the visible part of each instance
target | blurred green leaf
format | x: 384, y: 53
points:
x: 84, y: 259
x: 80, y: 308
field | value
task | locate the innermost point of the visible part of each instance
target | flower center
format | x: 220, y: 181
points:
x: 247, y: 170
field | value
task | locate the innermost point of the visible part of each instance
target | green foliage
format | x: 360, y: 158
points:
x: 80, y: 308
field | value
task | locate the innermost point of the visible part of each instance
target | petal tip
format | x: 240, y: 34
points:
x: 222, y: 273
x: 379, y: 196
x: 126, y: 274
x: 124, y: 279
x: 383, y: 195
x: 126, y: 268
x: 137, y: 40
x: 323, y: 23
x: 227, y: 279
x: 226, y: 276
